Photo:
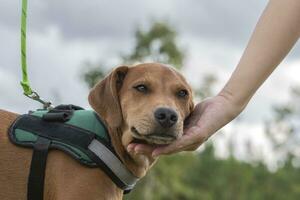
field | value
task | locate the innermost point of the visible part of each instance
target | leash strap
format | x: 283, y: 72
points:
x: 35, y: 185
x: 25, y: 81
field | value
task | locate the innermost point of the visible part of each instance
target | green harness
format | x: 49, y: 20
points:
x: 80, y: 133
x: 23, y: 133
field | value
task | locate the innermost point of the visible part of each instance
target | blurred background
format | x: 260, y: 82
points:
x: 72, y: 44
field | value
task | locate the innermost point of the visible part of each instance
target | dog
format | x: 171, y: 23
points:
x: 145, y: 103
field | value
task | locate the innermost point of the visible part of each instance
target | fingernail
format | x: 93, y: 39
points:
x: 154, y: 155
x: 129, y: 148
x: 138, y: 152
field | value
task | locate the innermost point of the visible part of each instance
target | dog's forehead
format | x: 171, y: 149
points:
x: 153, y: 71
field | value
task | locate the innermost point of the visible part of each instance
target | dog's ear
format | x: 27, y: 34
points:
x: 191, y: 105
x: 104, y: 97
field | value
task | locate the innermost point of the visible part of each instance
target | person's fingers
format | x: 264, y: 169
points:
x: 188, y: 142
x: 196, y: 145
x: 130, y: 147
x: 172, y: 148
x: 191, y: 138
x: 192, y: 147
x: 144, y: 149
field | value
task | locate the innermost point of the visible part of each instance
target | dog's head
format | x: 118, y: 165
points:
x: 147, y: 102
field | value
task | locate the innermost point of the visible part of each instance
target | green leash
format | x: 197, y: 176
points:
x: 25, y: 81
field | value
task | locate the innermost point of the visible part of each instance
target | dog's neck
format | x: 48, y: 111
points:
x: 137, y: 164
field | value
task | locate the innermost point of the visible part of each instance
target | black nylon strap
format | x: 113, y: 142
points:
x: 68, y: 107
x: 61, y: 113
x: 57, y: 116
x: 57, y: 131
x: 35, y: 185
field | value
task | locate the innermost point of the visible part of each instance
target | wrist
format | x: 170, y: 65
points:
x: 236, y: 103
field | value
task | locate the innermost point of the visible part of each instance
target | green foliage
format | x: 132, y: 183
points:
x: 205, y: 90
x: 93, y: 74
x: 158, y: 44
x: 194, y: 176
x: 283, y: 129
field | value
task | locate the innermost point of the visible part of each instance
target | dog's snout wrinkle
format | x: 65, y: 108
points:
x: 166, y: 117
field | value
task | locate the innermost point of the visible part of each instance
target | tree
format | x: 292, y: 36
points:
x: 205, y: 90
x: 283, y: 129
x: 93, y: 74
x: 158, y: 44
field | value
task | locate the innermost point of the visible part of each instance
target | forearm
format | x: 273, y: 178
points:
x: 275, y: 34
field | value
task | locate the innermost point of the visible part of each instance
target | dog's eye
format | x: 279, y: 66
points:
x: 141, y: 88
x: 182, y: 93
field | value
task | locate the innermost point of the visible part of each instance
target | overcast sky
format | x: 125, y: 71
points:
x: 63, y: 34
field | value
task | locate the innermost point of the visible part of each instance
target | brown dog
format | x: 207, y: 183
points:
x: 143, y: 103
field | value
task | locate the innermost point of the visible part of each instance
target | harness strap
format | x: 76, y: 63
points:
x: 35, y: 185
x: 61, y: 113
x: 120, y: 174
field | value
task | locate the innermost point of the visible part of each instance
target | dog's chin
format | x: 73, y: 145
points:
x: 152, y: 138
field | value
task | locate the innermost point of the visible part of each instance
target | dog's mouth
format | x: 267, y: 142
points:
x: 152, y: 139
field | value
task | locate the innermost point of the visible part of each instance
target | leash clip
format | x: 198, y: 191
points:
x: 46, y: 104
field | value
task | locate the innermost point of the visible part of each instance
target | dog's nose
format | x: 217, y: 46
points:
x: 166, y: 117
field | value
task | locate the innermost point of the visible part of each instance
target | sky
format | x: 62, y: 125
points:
x: 63, y: 35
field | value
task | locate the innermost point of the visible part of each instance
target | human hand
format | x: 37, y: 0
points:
x: 208, y: 117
